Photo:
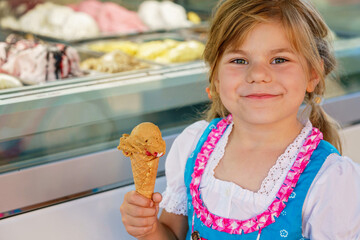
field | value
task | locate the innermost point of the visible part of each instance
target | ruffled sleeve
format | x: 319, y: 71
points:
x: 332, y: 207
x: 174, y: 197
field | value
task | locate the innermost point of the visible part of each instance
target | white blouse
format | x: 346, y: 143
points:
x: 331, y: 209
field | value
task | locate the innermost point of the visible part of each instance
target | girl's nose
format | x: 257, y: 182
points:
x: 258, y: 73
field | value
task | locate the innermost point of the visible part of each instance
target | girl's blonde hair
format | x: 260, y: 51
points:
x: 305, y: 29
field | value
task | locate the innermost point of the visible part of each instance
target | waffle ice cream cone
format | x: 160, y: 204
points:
x: 144, y: 146
x: 144, y: 173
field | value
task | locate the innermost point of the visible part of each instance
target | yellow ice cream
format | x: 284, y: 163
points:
x: 161, y: 51
x: 171, y: 51
x: 113, y: 62
x: 183, y: 52
x: 106, y: 47
x: 193, y: 17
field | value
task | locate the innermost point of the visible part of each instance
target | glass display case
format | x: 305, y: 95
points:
x: 58, y: 139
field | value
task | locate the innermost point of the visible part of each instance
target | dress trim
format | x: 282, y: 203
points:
x: 234, y: 226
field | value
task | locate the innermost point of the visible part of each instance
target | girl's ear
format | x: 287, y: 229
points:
x: 313, y: 82
x: 314, y: 79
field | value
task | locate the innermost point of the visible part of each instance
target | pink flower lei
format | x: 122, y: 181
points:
x: 264, y: 219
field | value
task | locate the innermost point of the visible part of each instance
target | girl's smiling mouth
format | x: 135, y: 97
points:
x: 260, y: 96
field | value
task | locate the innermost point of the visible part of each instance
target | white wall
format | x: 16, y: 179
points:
x: 96, y: 217
x: 351, y: 142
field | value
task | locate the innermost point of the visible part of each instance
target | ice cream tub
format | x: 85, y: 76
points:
x: 95, y: 62
x: 161, y: 48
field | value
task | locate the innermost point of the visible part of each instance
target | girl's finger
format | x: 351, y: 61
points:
x: 137, y: 211
x: 137, y: 199
x: 157, y: 197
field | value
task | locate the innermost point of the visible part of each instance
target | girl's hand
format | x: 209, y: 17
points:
x: 139, y: 214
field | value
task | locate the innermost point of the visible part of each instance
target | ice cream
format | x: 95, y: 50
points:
x: 111, y: 17
x: 193, y: 17
x: 54, y: 20
x: 163, y: 15
x: 144, y: 146
x: 171, y: 51
x: 161, y: 51
x: 7, y: 81
x: 35, y: 62
x: 113, y: 62
x: 127, y: 47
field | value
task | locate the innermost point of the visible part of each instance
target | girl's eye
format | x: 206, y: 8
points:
x: 278, y: 60
x: 240, y: 61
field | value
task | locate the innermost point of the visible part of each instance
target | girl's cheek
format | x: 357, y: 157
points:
x: 232, y: 72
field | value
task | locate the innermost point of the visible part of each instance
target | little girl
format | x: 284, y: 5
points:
x: 257, y: 170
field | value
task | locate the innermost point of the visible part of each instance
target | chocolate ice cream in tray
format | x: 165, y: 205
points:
x: 166, y: 48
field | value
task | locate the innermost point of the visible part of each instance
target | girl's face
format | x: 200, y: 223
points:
x: 264, y: 81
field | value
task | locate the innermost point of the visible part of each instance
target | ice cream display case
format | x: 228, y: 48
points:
x: 58, y: 138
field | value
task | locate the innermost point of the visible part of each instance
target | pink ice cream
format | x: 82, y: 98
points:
x: 35, y: 62
x: 110, y: 17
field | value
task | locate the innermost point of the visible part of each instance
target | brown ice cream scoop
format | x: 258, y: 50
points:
x: 144, y: 146
x: 145, y: 139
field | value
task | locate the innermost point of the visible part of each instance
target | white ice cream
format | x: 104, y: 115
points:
x: 163, y: 15
x: 7, y: 81
x: 56, y: 21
